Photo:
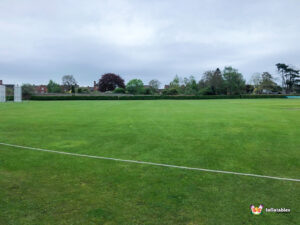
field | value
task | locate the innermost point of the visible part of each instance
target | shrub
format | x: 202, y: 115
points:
x: 9, y: 97
x: 83, y: 90
x: 148, y: 91
x: 170, y: 91
x: 206, y: 91
x: 119, y: 91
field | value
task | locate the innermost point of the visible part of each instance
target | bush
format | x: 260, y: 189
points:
x: 83, y: 90
x: 206, y: 91
x: 170, y: 91
x: 119, y: 91
x: 9, y: 97
x: 148, y: 91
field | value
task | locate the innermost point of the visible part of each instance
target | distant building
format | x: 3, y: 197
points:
x: 41, y: 89
x: 96, y: 87
x: 147, y: 86
x: 10, y: 86
x: 167, y: 86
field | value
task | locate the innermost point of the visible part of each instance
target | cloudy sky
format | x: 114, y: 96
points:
x: 42, y: 40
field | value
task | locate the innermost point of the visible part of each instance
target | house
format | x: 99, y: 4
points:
x: 41, y: 89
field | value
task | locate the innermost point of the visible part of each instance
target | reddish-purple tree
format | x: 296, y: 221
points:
x: 110, y: 81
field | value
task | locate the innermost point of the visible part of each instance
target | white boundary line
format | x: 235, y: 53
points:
x: 151, y: 163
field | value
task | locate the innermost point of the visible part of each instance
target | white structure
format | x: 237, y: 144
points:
x: 17, y: 93
x: 2, y: 93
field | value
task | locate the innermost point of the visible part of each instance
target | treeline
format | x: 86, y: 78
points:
x: 228, y: 81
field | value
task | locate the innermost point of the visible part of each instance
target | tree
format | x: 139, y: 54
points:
x: 256, y: 81
x: 135, y: 86
x: 249, y: 88
x: 263, y: 83
x: 110, y: 82
x: 154, y: 85
x: 213, y: 82
x: 53, y: 87
x: 175, y: 83
x: 68, y: 81
x: 27, y: 91
x: 73, y: 89
x: 267, y: 82
x: 190, y: 86
x: 234, y: 81
x: 289, y: 76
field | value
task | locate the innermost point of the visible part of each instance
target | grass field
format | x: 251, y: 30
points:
x: 248, y: 136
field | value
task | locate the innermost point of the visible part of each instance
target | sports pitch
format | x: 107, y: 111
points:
x: 246, y: 136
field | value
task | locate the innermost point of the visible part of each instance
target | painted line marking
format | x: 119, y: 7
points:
x: 151, y: 163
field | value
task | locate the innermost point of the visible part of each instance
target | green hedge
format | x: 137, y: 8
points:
x: 263, y: 96
x: 58, y: 98
x: 9, y: 98
x: 152, y: 97
x: 182, y: 97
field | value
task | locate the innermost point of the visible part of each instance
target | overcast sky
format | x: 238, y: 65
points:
x: 146, y: 39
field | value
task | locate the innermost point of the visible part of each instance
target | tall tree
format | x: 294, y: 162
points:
x: 213, y: 81
x: 290, y: 77
x: 110, y: 82
x: 234, y: 81
x: 68, y: 81
x: 267, y: 81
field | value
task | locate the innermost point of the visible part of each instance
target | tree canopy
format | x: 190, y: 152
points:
x: 53, y: 87
x: 110, y: 82
x: 234, y: 81
x: 290, y: 77
x: 135, y: 86
x: 68, y: 81
x: 154, y: 85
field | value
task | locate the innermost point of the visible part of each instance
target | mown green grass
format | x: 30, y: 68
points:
x: 248, y: 136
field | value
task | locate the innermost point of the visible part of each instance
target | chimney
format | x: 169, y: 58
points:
x: 1, y: 83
